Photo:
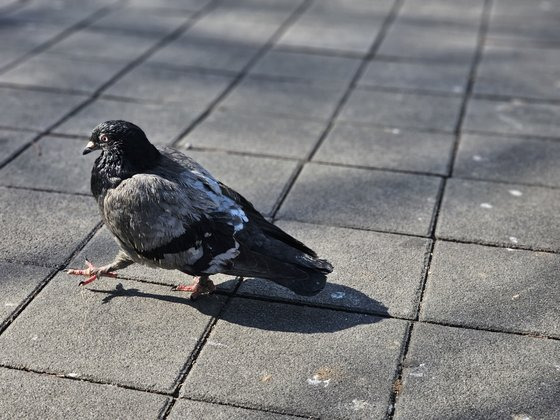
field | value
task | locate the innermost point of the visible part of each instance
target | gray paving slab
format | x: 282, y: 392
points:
x: 382, y: 276
x: 22, y: 36
x: 512, y: 117
x: 392, y: 109
x: 460, y: 373
x: 11, y: 141
x: 425, y: 41
x: 186, y: 53
x: 189, y: 5
x: 497, y: 213
x: 255, y: 11
x: 387, y: 148
x: 173, y: 86
x: 53, y: 163
x: 93, y: 44
x: 65, y: 13
x: 102, y: 249
x: 349, y: 10
x: 16, y: 283
x: 260, y: 180
x: 329, y: 31
x: 300, y: 360
x: 161, y: 123
x: 314, y: 67
x: 41, y: 227
x: 9, y: 55
x: 27, y: 395
x: 515, y: 21
x: 133, y: 22
x: 362, y: 198
x: 270, y: 135
x: 502, y: 289
x: 34, y: 110
x: 284, y: 98
x: 108, y: 332
x: 457, y: 12
x: 508, y: 159
x: 194, y: 410
x: 519, y: 72
x: 450, y: 78
x: 219, y: 26
x: 53, y: 71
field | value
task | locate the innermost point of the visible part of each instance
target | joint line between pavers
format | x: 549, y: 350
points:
x: 387, y: 22
x: 482, y: 31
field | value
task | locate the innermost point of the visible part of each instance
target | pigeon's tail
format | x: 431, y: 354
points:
x: 301, y: 273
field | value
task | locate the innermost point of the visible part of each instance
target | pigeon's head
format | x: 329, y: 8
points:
x: 123, y: 140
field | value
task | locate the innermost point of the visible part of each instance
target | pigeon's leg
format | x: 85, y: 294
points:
x: 201, y: 285
x: 93, y: 273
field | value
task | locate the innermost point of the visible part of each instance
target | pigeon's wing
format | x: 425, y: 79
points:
x: 176, y: 221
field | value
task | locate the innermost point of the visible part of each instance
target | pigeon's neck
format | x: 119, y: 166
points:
x: 112, y: 168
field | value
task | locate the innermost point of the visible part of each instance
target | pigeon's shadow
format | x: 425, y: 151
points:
x: 261, y: 313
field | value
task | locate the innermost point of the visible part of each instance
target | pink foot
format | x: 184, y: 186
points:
x: 199, y: 287
x: 92, y: 272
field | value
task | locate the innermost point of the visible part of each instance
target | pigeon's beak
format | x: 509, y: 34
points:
x: 90, y: 147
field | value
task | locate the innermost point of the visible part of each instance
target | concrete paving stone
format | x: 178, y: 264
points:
x: 11, y: 141
x: 219, y: 27
x: 271, y: 135
x: 382, y: 274
x: 43, y: 227
x: 353, y: 9
x: 65, y: 13
x: 133, y: 22
x: 329, y: 31
x: 497, y: 213
x: 284, y: 98
x: 260, y: 180
x: 90, y: 44
x: 53, y: 71
x: 508, y: 159
x: 314, y: 362
x: 195, y: 410
x: 108, y: 332
x: 387, y: 148
x: 34, y: 110
x: 188, y: 5
x: 512, y: 117
x: 269, y: 11
x: 293, y: 64
x: 519, y: 72
x: 27, y: 395
x: 534, y: 22
x: 459, y: 373
x: 186, y: 53
x: 426, y: 41
x: 362, y: 198
x: 392, y: 109
x: 102, y: 249
x: 451, y: 78
x: 8, y: 56
x: 53, y: 163
x: 24, y: 36
x: 16, y: 283
x: 161, y: 123
x: 166, y: 85
x: 458, y: 12
x: 499, y: 289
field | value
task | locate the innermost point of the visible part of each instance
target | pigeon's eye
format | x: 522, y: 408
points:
x: 103, y: 138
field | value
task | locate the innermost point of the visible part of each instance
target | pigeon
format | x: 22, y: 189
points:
x: 166, y: 211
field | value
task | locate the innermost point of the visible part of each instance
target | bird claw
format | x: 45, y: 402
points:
x: 197, y: 289
x: 93, y: 273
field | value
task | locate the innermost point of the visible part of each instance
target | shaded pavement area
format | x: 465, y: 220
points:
x: 413, y: 143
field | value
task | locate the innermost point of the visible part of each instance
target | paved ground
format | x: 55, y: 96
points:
x: 413, y: 143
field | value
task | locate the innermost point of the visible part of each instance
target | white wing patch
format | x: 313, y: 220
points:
x: 219, y: 260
